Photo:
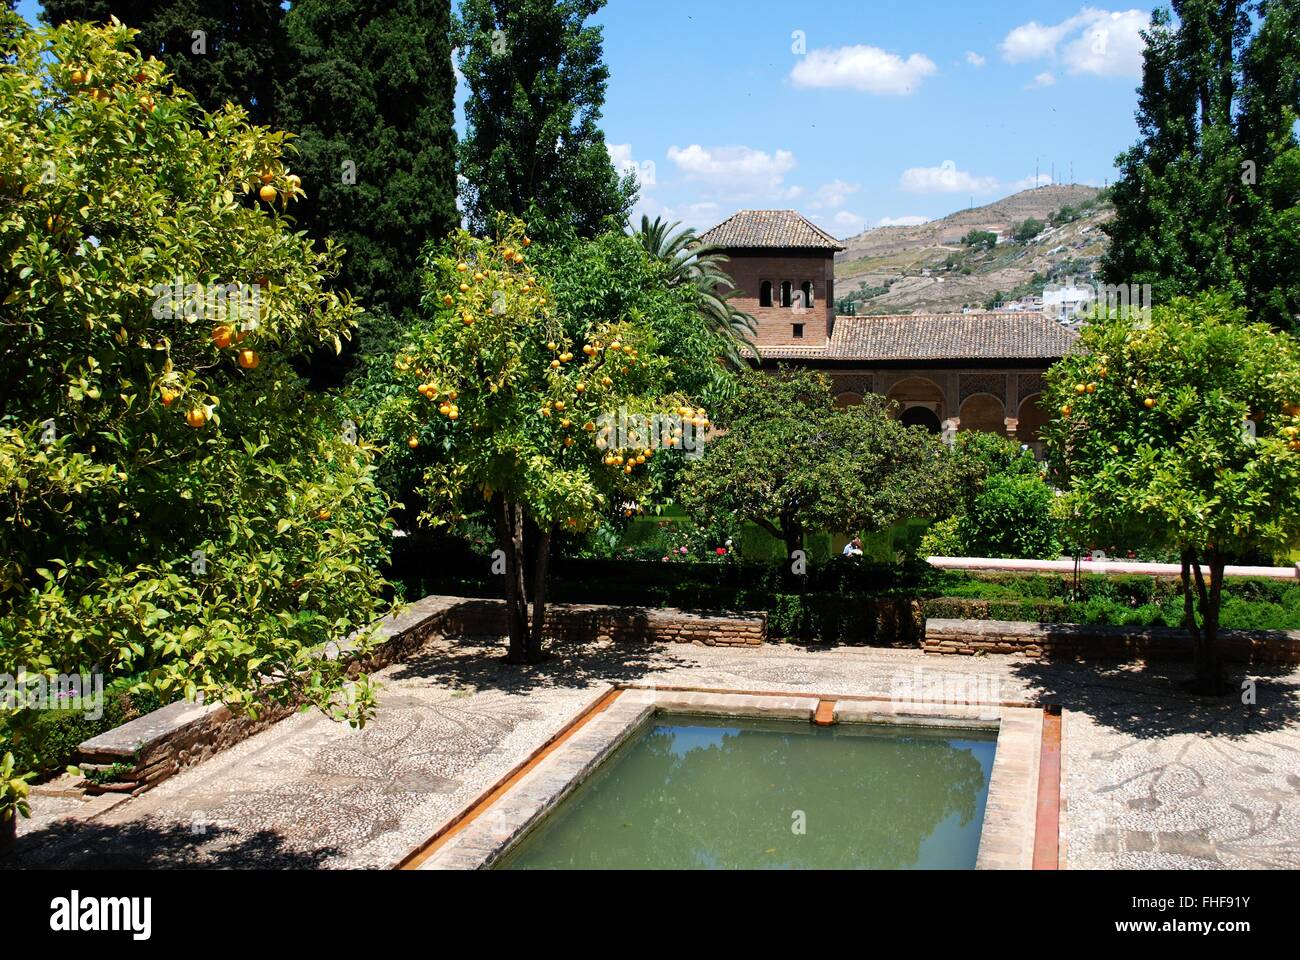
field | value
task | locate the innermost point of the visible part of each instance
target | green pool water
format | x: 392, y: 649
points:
x: 696, y: 793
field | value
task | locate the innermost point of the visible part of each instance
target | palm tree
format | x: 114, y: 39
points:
x: 687, y: 262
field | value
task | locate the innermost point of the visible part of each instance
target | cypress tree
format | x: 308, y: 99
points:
x: 536, y: 87
x: 371, y: 100
x: 218, y: 50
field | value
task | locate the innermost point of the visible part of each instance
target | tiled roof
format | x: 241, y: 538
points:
x: 771, y: 229
x: 800, y: 352
x: 961, y: 336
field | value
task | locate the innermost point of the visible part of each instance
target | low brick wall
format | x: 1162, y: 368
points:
x: 162, y: 743
x: 1088, y: 642
x: 587, y: 622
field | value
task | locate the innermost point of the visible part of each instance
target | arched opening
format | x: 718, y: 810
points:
x: 984, y: 413
x: 848, y: 399
x: 1032, y: 420
x: 787, y: 293
x: 807, y: 290
x: 918, y: 392
x: 765, y: 294
x: 920, y: 417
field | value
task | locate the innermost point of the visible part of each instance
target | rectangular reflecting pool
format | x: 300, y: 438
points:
x: 700, y: 793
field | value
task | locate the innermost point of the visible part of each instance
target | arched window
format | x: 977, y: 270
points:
x: 921, y: 417
x: 765, y: 294
x: 807, y: 293
x: 786, y: 292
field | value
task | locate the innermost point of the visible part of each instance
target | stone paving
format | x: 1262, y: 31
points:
x: 1154, y: 778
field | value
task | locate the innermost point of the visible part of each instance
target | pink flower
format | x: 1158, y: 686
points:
x: 665, y: 560
x: 722, y: 551
x: 682, y: 551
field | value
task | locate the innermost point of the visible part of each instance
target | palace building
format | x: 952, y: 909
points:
x: 971, y: 371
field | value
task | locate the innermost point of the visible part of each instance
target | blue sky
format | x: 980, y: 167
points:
x: 895, y: 110
x: 860, y: 113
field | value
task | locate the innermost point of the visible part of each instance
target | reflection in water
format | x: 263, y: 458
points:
x: 694, y: 793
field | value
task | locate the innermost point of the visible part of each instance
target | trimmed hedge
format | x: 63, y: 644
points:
x: 829, y: 603
x: 845, y: 619
x: 46, y: 740
x: 1248, y: 604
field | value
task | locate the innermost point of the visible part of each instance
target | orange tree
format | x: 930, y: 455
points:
x: 175, y: 509
x: 544, y: 420
x: 1182, y: 431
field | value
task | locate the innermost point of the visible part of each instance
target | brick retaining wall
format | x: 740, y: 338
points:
x: 160, y: 744
x: 568, y: 622
x: 1089, y: 642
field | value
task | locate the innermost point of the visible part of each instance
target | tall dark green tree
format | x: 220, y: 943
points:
x: 218, y: 50
x: 536, y: 87
x: 1210, y: 195
x: 371, y: 100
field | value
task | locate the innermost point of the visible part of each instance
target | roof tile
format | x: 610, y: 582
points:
x: 771, y: 229
x: 962, y: 336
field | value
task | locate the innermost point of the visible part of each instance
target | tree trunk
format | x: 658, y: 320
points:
x: 1189, y: 603
x: 1208, y: 680
x: 539, y: 594
x: 792, y: 537
x: 510, y: 530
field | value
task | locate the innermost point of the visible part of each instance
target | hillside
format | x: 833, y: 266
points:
x: 885, y: 270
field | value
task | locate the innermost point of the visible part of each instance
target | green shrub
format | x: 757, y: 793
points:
x: 1241, y: 614
x: 46, y: 741
x: 841, y: 618
x: 1011, y: 517
x: 943, y: 539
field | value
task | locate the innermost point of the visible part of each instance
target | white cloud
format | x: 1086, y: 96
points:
x: 1033, y: 41
x: 945, y: 178
x: 974, y: 59
x: 1045, y: 79
x: 1109, y: 47
x: 864, y: 68
x: 1101, y: 42
x: 620, y: 155
x: 833, y: 194
x: 1028, y: 183
x: 737, y: 168
x: 849, y: 224
x: 903, y: 221
x: 701, y: 215
x: 730, y: 178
